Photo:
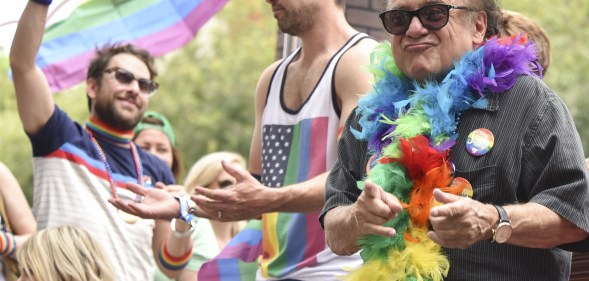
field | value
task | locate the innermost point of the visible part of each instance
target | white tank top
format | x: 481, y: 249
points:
x: 297, y: 146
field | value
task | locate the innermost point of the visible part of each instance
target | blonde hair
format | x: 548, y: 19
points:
x: 64, y: 253
x: 208, y: 167
x: 513, y: 23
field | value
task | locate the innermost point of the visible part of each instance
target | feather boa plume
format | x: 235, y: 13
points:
x: 410, y: 129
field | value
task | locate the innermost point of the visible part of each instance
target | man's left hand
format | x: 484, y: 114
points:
x: 460, y: 221
x: 246, y: 199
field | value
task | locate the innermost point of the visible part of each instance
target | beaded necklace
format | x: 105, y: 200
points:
x: 95, y: 126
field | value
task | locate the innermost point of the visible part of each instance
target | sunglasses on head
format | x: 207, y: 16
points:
x: 432, y: 17
x: 146, y: 86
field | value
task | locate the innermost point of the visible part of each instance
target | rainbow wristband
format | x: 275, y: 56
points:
x: 170, y: 262
x: 7, y: 243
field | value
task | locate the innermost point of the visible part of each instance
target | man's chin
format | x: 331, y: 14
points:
x: 127, y: 120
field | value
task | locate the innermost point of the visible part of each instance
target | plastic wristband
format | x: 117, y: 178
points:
x: 43, y: 2
x: 184, y: 234
x: 187, y: 208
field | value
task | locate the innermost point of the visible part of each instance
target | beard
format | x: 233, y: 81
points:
x: 295, y: 22
x: 108, y: 113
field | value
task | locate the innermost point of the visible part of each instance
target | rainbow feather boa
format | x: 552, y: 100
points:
x: 410, y: 129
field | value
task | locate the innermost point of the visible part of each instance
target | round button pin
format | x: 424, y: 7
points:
x: 479, y: 142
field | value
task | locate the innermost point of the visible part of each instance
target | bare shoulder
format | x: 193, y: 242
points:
x: 352, y: 76
x: 361, y: 51
x: 266, y: 77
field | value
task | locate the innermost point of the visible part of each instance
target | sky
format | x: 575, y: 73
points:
x: 12, y: 9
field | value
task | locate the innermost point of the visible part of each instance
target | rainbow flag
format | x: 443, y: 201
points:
x: 160, y: 26
x: 238, y: 261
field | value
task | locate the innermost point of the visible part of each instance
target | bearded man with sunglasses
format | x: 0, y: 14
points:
x: 78, y: 168
x: 460, y: 164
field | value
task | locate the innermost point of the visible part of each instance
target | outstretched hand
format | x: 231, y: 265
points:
x: 374, y: 208
x: 246, y: 199
x: 156, y: 203
x: 460, y: 221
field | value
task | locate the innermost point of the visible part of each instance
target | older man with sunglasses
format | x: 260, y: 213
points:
x: 78, y: 168
x: 459, y: 164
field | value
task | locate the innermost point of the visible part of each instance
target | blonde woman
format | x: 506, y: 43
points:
x: 64, y: 253
x: 210, y: 236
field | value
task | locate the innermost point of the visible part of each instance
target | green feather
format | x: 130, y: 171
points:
x: 411, y: 125
x: 382, y: 62
x: 393, y: 177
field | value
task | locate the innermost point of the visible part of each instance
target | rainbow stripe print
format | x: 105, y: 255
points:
x: 292, y: 154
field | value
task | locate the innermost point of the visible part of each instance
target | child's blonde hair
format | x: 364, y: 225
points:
x: 64, y: 253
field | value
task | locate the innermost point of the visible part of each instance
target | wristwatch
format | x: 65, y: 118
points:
x: 502, y: 231
x: 191, y: 207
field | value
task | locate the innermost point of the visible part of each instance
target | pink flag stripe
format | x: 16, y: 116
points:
x: 72, y: 71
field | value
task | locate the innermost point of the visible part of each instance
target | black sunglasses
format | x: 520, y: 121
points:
x: 432, y: 17
x: 146, y: 86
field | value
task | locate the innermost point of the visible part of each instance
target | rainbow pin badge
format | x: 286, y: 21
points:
x: 479, y: 142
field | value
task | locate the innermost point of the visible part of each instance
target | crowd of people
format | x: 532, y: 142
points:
x: 449, y: 159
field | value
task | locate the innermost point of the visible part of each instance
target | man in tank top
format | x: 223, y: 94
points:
x: 301, y: 102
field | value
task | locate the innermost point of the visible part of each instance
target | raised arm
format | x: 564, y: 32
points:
x: 34, y: 99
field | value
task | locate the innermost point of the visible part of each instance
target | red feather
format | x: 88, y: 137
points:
x: 419, y: 158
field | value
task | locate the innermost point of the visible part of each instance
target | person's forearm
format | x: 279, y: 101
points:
x: 172, y: 250
x: 33, y: 96
x: 28, y: 37
x: 341, y: 231
x: 304, y: 197
x: 536, y: 226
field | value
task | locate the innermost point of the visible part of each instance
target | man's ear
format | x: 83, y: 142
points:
x: 480, y: 25
x: 92, y: 88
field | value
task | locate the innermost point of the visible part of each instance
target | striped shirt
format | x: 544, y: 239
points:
x: 71, y: 188
x: 537, y: 157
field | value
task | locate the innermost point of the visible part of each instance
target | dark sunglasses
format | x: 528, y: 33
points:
x: 146, y: 86
x: 432, y: 17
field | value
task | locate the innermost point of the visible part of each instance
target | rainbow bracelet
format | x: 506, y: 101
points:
x: 170, y: 262
x: 7, y: 243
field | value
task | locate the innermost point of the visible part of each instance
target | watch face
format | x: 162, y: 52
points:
x: 503, y: 232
